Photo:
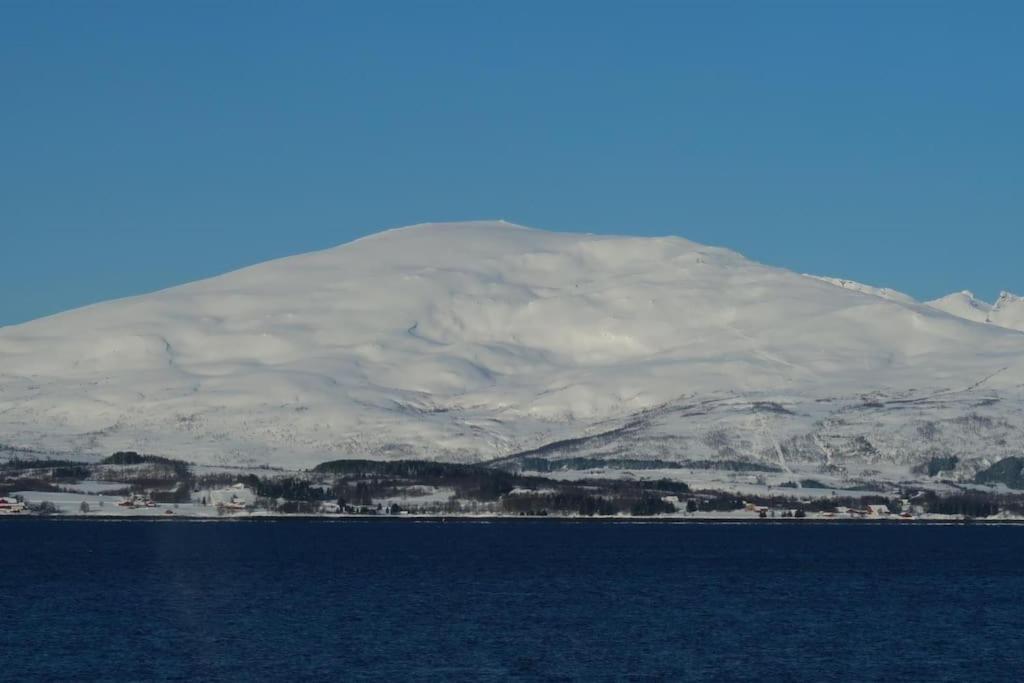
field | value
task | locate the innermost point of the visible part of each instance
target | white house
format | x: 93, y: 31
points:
x: 237, y: 497
x: 11, y: 506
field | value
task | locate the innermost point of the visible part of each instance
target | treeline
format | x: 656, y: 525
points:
x: 164, y: 480
x: 475, y: 482
x: 361, y: 482
x: 410, y: 469
x: 180, y: 468
x: 182, y: 493
x: 598, y: 497
x: 535, y: 464
x: 965, y: 504
x: 289, y: 488
x: 57, y: 469
x: 633, y: 488
x: 544, y: 465
x: 22, y: 474
x: 578, y: 502
x: 61, y: 469
x: 9, y: 486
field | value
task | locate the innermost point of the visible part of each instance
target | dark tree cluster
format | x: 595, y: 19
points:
x: 133, y: 458
x: 289, y: 488
x: 651, y: 505
x: 7, y: 486
x: 475, y: 482
x: 1009, y: 471
x: 182, y: 493
x: 581, y: 463
x: 364, y: 492
x: 937, y: 464
x: 299, y: 507
x: 54, y: 470
x: 966, y: 504
x: 719, y: 502
x: 571, y: 502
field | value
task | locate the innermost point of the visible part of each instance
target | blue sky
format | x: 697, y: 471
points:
x: 150, y: 144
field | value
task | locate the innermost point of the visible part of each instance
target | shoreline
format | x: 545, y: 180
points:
x: 486, y: 519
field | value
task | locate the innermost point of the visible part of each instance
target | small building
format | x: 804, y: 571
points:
x: 136, y: 500
x: 878, y: 510
x: 237, y: 497
x: 11, y: 506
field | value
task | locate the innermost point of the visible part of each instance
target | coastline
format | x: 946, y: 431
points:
x: 487, y: 519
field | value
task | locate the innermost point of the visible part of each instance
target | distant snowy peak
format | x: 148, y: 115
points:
x: 963, y: 305
x: 852, y: 285
x: 1008, y: 311
x: 1007, y: 299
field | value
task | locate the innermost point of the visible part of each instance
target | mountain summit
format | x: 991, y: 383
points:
x: 478, y: 340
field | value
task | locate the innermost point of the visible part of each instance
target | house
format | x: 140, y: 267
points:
x: 878, y: 510
x: 236, y: 497
x: 11, y: 506
x: 136, y: 501
x: 330, y: 508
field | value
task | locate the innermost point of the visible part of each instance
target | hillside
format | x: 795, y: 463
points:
x: 1007, y: 311
x: 481, y: 340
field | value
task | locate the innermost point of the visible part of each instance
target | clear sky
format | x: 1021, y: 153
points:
x: 147, y: 144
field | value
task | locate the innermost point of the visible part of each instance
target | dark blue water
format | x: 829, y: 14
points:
x: 398, y: 600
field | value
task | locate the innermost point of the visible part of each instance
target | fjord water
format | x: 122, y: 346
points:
x: 400, y: 600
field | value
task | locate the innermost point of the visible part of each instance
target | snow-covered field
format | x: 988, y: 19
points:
x: 474, y: 341
x: 106, y: 506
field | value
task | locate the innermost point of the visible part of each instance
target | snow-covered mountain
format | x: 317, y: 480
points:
x: 473, y: 341
x: 963, y: 305
x: 1007, y: 311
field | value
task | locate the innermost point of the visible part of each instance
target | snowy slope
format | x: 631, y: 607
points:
x: 963, y: 305
x: 855, y: 286
x: 472, y: 341
x: 1007, y: 311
